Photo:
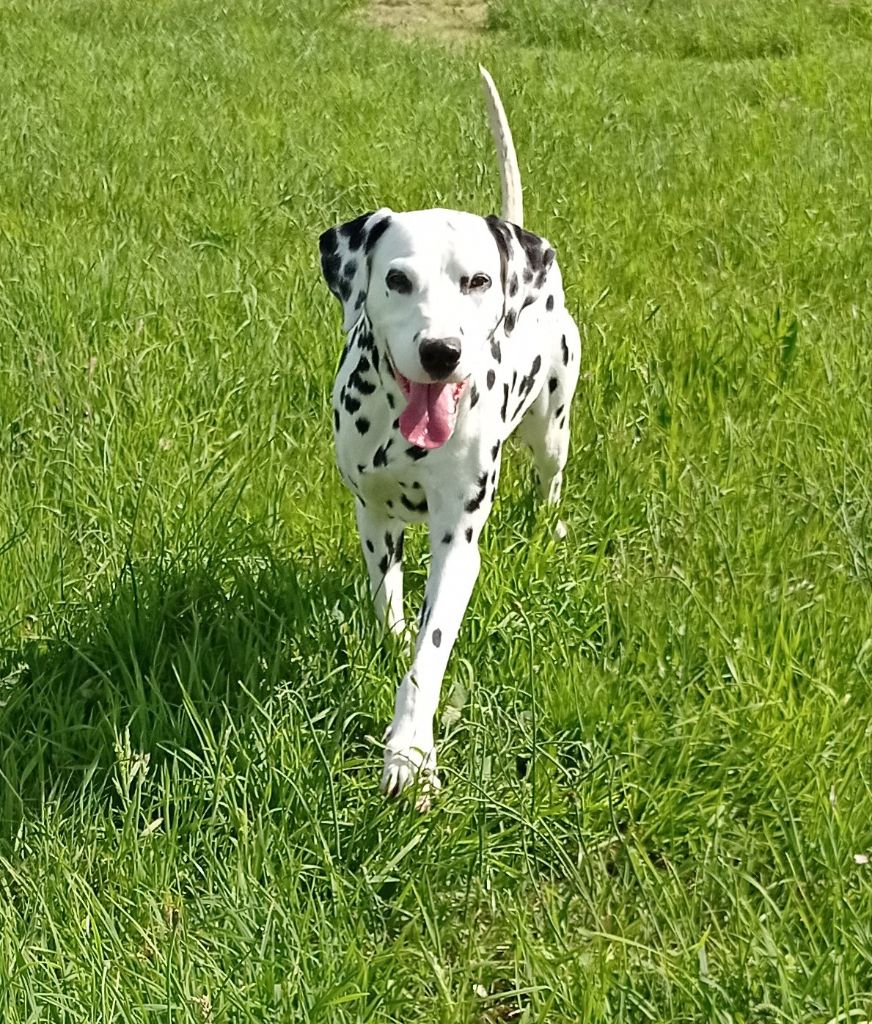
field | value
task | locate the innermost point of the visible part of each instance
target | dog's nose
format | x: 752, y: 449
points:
x: 439, y: 356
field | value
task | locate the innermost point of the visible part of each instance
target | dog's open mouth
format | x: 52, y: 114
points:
x: 431, y: 411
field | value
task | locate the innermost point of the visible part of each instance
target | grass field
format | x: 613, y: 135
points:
x: 657, y: 748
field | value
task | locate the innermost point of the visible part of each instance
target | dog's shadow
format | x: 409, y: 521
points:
x: 165, y: 658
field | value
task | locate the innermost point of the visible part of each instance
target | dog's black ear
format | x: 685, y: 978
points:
x: 526, y: 259
x: 345, y: 253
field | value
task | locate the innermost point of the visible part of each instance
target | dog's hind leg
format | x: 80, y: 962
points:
x: 381, y: 538
x: 545, y: 426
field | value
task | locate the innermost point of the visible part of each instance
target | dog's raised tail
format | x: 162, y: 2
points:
x: 510, y: 175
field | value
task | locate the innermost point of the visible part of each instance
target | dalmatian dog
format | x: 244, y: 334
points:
x: 457, y: 336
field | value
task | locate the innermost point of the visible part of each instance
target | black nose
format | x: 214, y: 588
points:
x: 439, y: 356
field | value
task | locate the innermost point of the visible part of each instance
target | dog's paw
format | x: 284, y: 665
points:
x: 410, y: 765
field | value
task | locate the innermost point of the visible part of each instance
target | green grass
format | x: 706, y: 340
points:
x: 708, y: 29
x: 191, y: 679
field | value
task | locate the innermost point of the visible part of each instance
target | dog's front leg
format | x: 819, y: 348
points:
x: 410, y: 749
x: 382, y: 541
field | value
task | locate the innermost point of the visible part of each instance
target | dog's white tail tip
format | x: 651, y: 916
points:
x: 510, y: 175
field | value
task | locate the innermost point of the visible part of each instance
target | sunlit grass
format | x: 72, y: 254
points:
x: 656, y: 741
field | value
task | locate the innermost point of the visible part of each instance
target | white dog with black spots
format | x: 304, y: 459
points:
x: 457, y: 335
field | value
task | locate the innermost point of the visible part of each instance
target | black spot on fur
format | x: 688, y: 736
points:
x: 359, y: 301
x: 495, y: 450
x: 491, y: 379
x: 447, y: 538
x: 420, y: 506
x: 362, y: 424
x: 383, y: 564
x: 414, y: 452
x: 370, y: 547
x: 474, y: 396
x: 505, y: 402
x: 390, y: 399
x: 376, y: 234
x: 500, y: 230
x: 357, y: 381
x: 495, y: 350
x: 351, y: 403
x: 559, y: 411
x: 538, y: 256
x: 360, y: 468
x: 564, y: 348
x: 552, y: 384
x: 549, y: 303
x: 330, y: 266
x: 361, y: 384
x: 327, y: 241
x: 513, y: 285
x: 381, y: 456
x: 355, y: 231
x: 336, y: 419
x: 528, y: 381
x: 509, y: 323
x: 350, y: 269
x: 437, y: 637
x: 474, y: 503
x: 468, y: 535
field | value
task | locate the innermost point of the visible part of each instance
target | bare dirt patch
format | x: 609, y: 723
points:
x: 449, y: 20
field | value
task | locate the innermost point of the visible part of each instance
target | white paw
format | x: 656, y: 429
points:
x: 410, y: 765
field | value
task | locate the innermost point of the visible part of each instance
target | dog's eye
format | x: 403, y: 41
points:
x: 397, y: 281
x: 478, y: 283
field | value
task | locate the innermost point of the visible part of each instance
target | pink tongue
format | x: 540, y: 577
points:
x: 429, y: 417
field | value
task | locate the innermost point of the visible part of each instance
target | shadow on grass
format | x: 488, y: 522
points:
x: 170, y: 654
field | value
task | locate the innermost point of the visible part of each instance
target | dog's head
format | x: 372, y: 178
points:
x: 436, y: 285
